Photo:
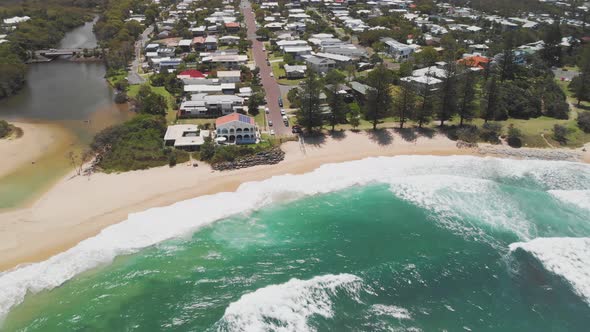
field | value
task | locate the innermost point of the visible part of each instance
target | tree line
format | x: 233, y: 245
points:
x: 504, y: 90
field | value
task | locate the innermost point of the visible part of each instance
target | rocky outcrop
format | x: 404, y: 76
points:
x: 270, y: 157
x: 528, y: 153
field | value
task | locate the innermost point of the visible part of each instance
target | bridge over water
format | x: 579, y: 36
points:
x: 50, y: 54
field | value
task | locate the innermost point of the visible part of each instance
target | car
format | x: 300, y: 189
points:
x: 280, y: 102
x: 296, y: 129
x: 283, y: 111
x: 286, y: 120
x: 263, y: 49
x: 267, y: 62
x: 270, y: 123
x: 272, y: 74
x: 267, y: 110
x: 272, y: 131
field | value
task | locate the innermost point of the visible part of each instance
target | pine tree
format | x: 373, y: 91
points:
x: 379, y: 100
x: 490, y: 101
x: 448, y: 91
x: 309, y: 115
x: 581, y: 83
x: 338, y: 108
x: 467, y: 98
x: 425, y: 108
x: 405, y: 103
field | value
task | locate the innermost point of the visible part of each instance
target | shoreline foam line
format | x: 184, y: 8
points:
x: 155, y: 225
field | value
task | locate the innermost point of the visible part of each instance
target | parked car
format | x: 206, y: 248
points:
x: 283, y: 111
x: 296, y: 129
x: 280, y: 102
x: 272, y: 131
x: 272, y: 74
x: 286, y: 120
x: 270, y: 123
x: 267, y: 110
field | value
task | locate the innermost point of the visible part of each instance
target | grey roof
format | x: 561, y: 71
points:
x: 359, y: 87
x: 318, y: 61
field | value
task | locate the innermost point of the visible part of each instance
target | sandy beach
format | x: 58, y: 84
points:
x: 37, y: 140
x: 78, y: 207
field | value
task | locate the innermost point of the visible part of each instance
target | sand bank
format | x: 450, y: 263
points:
x: 37, y: 140
x: 79, y: 207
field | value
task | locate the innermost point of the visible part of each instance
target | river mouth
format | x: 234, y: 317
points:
x: 75, y: 100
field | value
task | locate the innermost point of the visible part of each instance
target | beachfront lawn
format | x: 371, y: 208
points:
x: 284, y: 81
x: 197, y: 121
x: 134, y: 90
x: 260, y: 119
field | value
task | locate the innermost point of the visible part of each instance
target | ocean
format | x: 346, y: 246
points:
x: 409, y: 243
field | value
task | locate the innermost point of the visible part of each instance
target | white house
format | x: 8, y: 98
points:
x: 186, y: 137
x: 320, y: 65
x: 400, y: 51
x: 237, y: 128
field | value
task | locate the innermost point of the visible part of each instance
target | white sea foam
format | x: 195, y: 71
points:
x: 287, y: 307
x: 391, y: 310
x: 579, y: 198
x: 568, y: 258
x: 150, y: 227
x: 464, y: 205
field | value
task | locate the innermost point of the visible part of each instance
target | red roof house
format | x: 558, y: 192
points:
x: 476, y: 61
x: 191, y: 73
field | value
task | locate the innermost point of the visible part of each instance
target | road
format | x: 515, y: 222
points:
x: 270, y: 85
x: 133, y: 76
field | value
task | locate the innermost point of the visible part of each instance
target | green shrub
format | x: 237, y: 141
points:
x: 490, y: 132
x: 560, y: 133
x: 584, y: 121
x: 5, y: 129
x: 135, y: 144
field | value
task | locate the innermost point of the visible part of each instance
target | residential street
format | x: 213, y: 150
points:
x: 269, y: 83
x: 133, y: 75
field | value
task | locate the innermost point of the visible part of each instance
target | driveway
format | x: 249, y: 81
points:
x: 270, y: 85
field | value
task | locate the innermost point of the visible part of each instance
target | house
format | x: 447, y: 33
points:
x: 210, y: 43
x: 226, y: 88
x: 204, y: 105
x: 341, y: 60
x: 185, y: 45
x: 400, y: 51
x: 232, y: 27
x: 231, y: 61
x: 237, y: 128
x: 185, y: 137
x: 199, y: 43
x: 359, y: 90
x: 479, y: 48
x: 191, y: 73
x: 229, y: 40
x: 475, y: 61
x: 294, y: 72
x: 198, y: 31
x: 320, y: 65
x: 152, y: 48
x: 165, y: 52
x: 297, y: 51
x: 229, y: 76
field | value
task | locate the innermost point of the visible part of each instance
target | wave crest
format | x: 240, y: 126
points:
x: 287, y: 307
x: 568, y: 258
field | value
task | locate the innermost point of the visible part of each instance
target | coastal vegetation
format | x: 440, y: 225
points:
x: 135, y: 144
x: 5, y: 129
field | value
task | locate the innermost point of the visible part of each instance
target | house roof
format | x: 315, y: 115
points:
x: 232, y: 25
x: 192, y: 73
x: 234, y: 117
x: 475, y: 61
x: 198, y: 40
x: 229, y: 73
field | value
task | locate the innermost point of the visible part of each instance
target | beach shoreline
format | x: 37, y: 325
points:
x: 79, y: 207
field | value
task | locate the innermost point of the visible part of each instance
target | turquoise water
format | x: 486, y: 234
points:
x: 424, y: 254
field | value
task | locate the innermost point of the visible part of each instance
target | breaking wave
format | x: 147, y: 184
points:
x: 411, y: 177
x: 568, y: 258
x: 287, y: 307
